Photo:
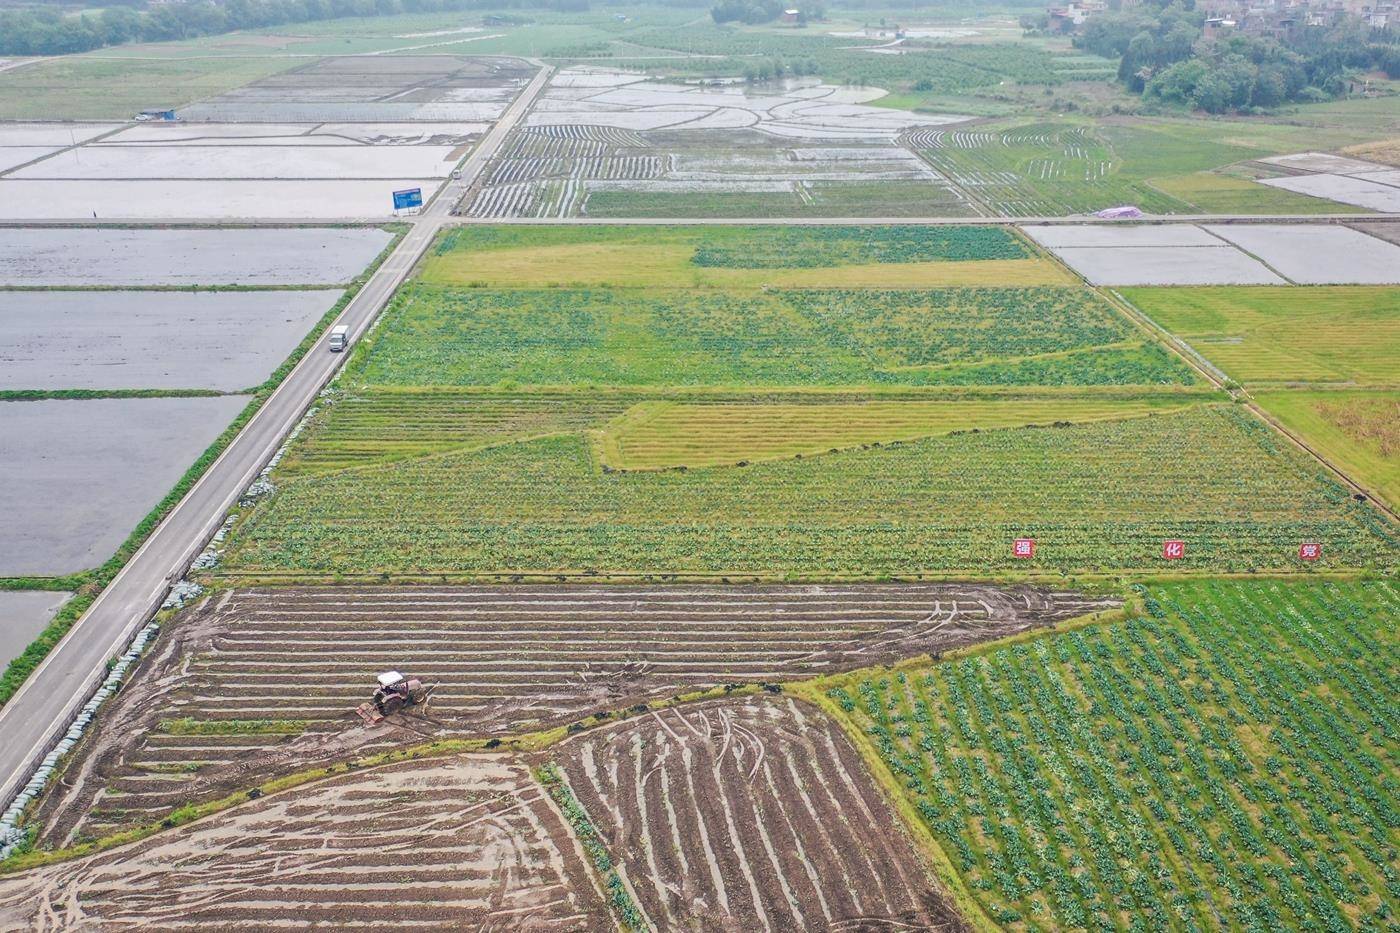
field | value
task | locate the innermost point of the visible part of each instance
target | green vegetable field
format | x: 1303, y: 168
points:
x: 819, y: 337
x: 1226, y: 760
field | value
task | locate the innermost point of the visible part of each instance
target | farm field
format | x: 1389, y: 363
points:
x: 818, y: 306
x: 1225, y: 254
x: 378, y: 89
x: 948, y: 573
x: 1037, y: 169
x: 608, y: 143
x: 892, y: 256
x: 751, y: 814
x: 129, y: 257
x: 1311, y: 255
x: 95, y: 87
x: 488, y: 850
x: 124, y: 453
x: 169, y: 320
x: 1358, y: 429
x: 1224, y: 759
x: 1367, y: 185
x: 1100, y: 496
x: 772, y: 337
x: 1043, y: 168
x: 228, y: 341
x: 660, y: 435
x: 376, y: 426
x: 329, y: 139
x: 1263, y: 336
x: 210, y: 711
x: 758, y: 432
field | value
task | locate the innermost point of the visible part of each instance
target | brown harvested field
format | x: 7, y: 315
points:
x: 257, y: 683
x: 749, y: 814
x: 471, y: 842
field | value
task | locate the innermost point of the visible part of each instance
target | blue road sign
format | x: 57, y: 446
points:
x: 409, y: 197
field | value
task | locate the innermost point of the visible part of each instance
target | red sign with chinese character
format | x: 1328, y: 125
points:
x: 1173, y: 549
x: 1309, y: 550
x: 1023, y: 547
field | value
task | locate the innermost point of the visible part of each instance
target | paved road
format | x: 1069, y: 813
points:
x: 41, y: 711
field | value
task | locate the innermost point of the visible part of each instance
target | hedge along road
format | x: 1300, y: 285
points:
x: 45, y: 705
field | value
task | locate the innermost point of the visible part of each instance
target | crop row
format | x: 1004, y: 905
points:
x: 751, y: 814
x: 608, y: 135
x: 1042, y: 169
x: 1225, y: 761
x: 633, y: 167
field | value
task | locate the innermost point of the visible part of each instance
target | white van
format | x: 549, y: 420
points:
x: 340, y: 338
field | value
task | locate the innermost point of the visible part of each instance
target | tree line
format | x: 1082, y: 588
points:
x: 1165, y: 56
x: 763, y: 11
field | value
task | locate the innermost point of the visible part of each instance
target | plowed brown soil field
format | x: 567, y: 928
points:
x: 467, y: 843
x: 751, y: 814
x: 257, y: 683
x: 737, y: 814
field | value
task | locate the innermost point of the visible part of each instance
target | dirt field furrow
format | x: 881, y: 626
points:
x: 721, y: 814
x: 258, y: 683
x: 466, y: 843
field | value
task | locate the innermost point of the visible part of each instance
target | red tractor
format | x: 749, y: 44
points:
x: 395, y: 692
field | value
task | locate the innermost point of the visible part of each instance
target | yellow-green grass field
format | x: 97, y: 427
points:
x: 1214, y: 193
x: 736, y: 257
x: 1357, y: 430
x: 648, y: 429
x: 664, y: 434
x: 95, y: 87
x: 1386, y: 151
x: 1281, y: 334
